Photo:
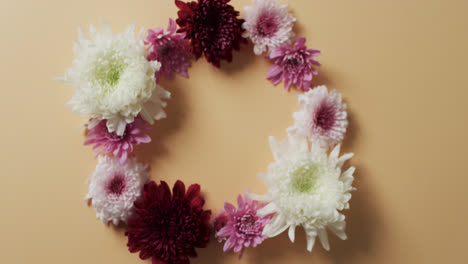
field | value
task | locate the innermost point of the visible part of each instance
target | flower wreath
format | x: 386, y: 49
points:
x: 116, y: 79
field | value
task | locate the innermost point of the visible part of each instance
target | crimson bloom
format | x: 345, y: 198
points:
x: 119, y: 146
x: 171, y: 49
x: 293, y: 65
x: 213, y: 28
x: 168, y: 228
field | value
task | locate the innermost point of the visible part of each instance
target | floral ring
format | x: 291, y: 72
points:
x: 116, y: 77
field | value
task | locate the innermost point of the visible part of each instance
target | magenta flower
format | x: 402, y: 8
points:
x: 242, y: 227
x: 293, y: 65
x: 119, y: 146
x: 171, y: 49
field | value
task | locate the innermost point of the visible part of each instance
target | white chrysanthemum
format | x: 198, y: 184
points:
x: 307, y: 188
x: 268, y: 24
x: 114, y: 187
x: 322, y: 118
x: 114, y: 80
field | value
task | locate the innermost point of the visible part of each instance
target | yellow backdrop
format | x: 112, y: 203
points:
x: 400, y: 65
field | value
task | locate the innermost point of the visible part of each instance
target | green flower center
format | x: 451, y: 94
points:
x: 108, y: 70
x: 305, y: 177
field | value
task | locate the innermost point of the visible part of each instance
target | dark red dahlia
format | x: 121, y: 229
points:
x: 213, y: 28
x: 168, y: 227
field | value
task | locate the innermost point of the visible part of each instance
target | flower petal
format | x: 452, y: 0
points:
x: 230, y: 209
x: 193, y: 191
x: 291, y: 232
x: 338, y: 229
x: 273, y: 71
x: 277, y: 225
x: 240, y: 201
x: 164, y: 192
x: 225, y: 231
x: 178, y: 190
x: 322, y: 234
x: 300, y: 42
x: 268, y: 209
x: 172, y: 27
x: 311, y: 233
x: 229, y: 244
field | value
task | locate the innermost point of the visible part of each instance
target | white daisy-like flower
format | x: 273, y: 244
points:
x: 114, y: 187
x: 307, y: 188
x: 322, y: 118
x: 268, y: 24
x: 114, y: 80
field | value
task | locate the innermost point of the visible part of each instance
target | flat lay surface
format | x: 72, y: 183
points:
x: 399, y: 65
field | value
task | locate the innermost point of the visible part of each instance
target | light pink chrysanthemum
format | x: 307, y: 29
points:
x: 322, y: 117
x: 119, y: 146
x: 293, y: 65
x: 268, y: 24
x: 241, y: 227
x: 171, y: 49
x: 114, y: 187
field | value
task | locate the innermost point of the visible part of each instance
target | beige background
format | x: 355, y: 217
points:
x: 400, y: 65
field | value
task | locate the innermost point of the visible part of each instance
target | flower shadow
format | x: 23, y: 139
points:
x: 164, y: 129
x: 363, y: 225
x: 280, y: 247
x: 299, y: 29
x: 362, y: 220
x: 120, y: 229
x: 352, y: 133
x: 240, y: 60
x: 321, y: 79
x: 212, y: 254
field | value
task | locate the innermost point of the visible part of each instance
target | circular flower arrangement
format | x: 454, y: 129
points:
x: 116, y: 79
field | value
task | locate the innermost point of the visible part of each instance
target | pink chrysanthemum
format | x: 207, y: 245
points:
x: 119, y: 146
x: 242, y: 227
x: 322, y: 117
x: 268, y: 24
x: 293, y: 65
x: 171, y: 49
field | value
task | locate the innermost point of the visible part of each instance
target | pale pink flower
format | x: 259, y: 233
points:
x: 171, y: 49
x: 119, y: 146
x: 293, y: 65
x: 268, y: 25
x: 241, y: 227
x: 322, y: 118
x: 114, y: 187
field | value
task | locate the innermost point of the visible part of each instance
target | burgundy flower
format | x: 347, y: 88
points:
x: 168, y: 227
x: 213, y: 28
x: 119, y: 146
